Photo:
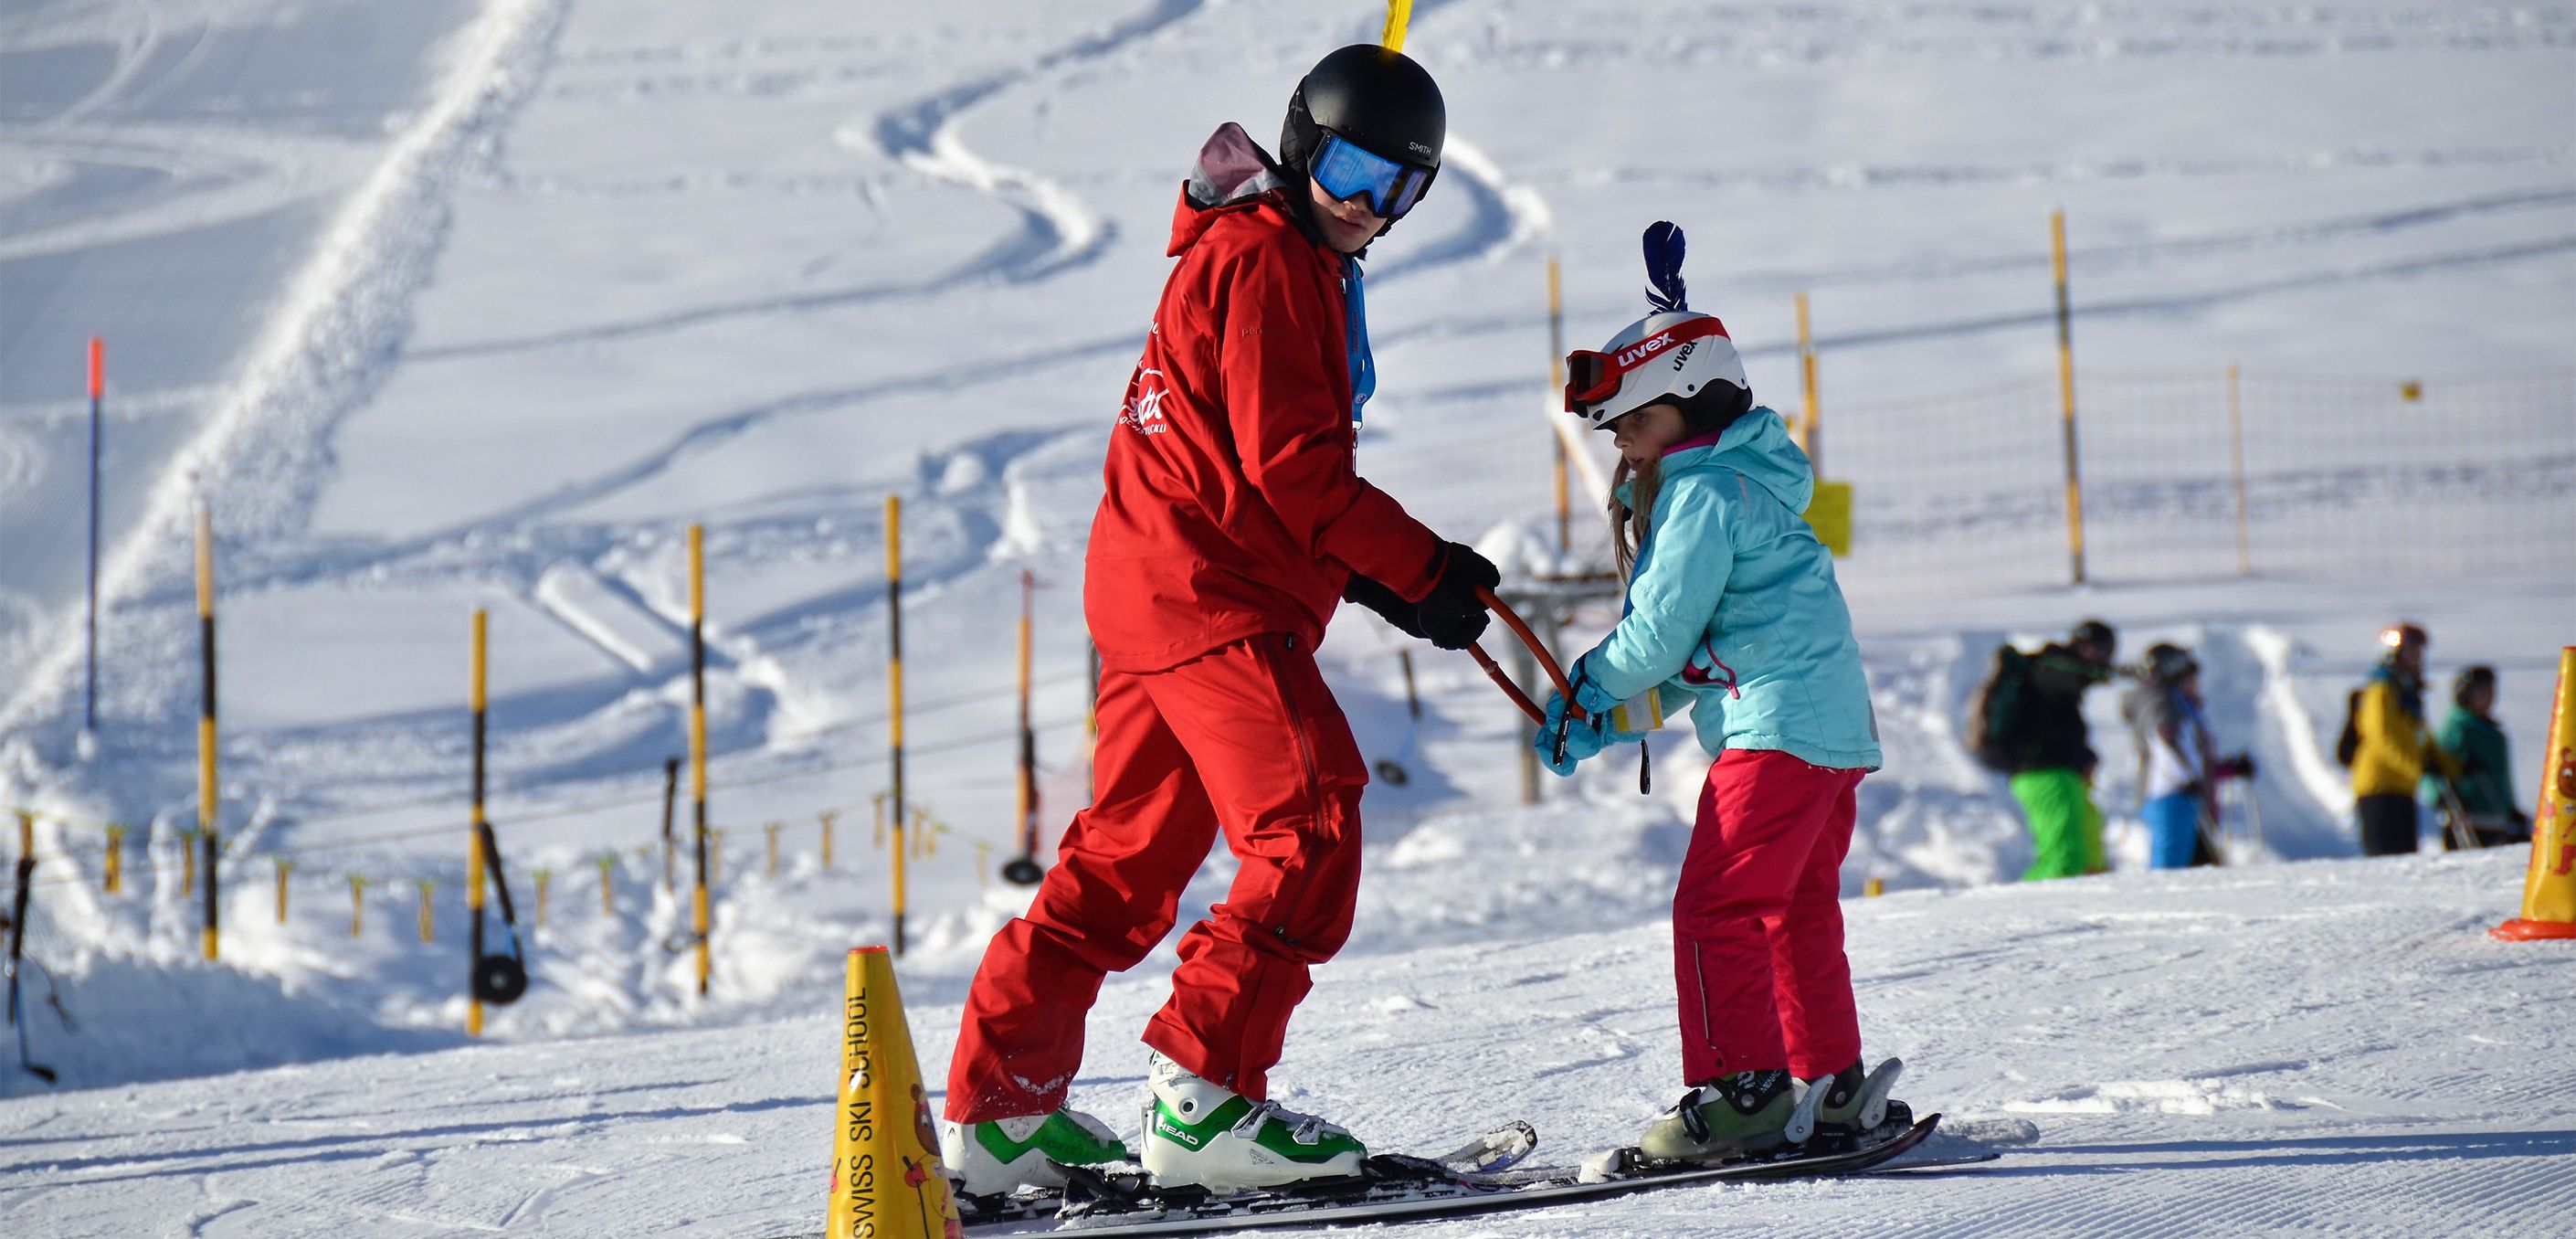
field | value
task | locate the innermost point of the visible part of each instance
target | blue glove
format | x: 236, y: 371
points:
x: 1583, y: 739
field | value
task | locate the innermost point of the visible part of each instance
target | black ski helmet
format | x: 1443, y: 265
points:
x: 1377, y: 99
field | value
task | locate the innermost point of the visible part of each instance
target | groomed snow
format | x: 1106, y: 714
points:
x: 480, y: 304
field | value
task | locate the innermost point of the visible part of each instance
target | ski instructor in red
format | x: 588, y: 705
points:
x: 1233, y: 524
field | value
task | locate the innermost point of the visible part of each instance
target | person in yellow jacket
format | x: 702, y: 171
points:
x: 2393, y: 747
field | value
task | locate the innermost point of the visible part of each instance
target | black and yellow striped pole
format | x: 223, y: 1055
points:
x: 211, y: 935
x: 698, y: 743
x: 474, y: 838
x: 2066, y: 391
x: 1555, y: 386
x: 894, y: 696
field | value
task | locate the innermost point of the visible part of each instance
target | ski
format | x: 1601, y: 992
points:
x: 1397, y: 1189
x: 1494, y: 1152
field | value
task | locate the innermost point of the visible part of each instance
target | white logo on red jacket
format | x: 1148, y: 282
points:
x: 1146, y: 408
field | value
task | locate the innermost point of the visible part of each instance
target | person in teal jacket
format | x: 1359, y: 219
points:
x: 2471, y: 735
x: 1733, y: 612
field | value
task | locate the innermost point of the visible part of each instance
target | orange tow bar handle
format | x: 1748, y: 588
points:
x: 1520, y: 628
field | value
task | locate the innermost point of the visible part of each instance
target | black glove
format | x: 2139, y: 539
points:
x: 2240, y: 766
x: 1452, y: 616
x: 1390, y: 606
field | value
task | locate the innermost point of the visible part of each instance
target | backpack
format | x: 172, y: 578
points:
x: 2348, y: 741
x: 1994, y: 720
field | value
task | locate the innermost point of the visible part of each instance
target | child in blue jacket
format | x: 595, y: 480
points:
x: 1732, y: 609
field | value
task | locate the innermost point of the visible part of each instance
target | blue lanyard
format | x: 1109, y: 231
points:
x: 1355, y: 339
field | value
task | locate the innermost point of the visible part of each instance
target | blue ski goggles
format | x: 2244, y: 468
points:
x: 1345, y: 171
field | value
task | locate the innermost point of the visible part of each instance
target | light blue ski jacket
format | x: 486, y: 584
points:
x: 1733, y: 609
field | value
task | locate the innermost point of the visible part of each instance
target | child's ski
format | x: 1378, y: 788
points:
x: 1492, y: 1153
x: 1403, y: 1189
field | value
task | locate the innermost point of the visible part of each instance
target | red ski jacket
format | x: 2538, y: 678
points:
x: 1232, y: 503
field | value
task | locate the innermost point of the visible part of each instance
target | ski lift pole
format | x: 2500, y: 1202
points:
x: 489, y: 978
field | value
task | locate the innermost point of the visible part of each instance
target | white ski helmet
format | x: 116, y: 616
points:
x: 1667, y: 356
x: 1671, y: 354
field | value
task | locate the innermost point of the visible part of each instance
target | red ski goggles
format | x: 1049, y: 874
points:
x: 1346, y: 171
x: 1592, y: 377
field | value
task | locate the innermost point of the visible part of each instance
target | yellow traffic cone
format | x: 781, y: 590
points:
x: 2549, y: 891
x: 887, y: 1182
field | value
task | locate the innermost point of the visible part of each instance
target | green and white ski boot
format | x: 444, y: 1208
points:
x: 1732, y: 1116
x: 995, y: 1158
x: 1200, y: 1134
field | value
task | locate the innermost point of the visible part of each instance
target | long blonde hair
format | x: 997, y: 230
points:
x: 1628, y: 525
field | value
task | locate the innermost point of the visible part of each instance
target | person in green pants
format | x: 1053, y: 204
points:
x: 2053, y: 770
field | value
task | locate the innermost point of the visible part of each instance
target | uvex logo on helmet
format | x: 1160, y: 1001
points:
x: 1642, y: 349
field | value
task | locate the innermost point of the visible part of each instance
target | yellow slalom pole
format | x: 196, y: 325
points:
x: 2066, y: 391
x: 827, y: 839
x: 1091, y: 724
x: 474, y: 831
x: 211, y: 934
x: 697, y: 745
x: 428, y: 891
x: 1555, y: 390
x: 357, y: 905
x: 2236, y: 438
x: 2549, y: 890
x: 607, y: 884
x: 1399, y: 13
x: 894, y: 694
x: 112, y: 872
x: 542, y: 876
x: 1810, y: 413
x: 284, y: 866
x: 1025, y: 811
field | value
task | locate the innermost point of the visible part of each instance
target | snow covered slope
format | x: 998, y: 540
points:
x: 478, y: 303
x: 2330, y: 1048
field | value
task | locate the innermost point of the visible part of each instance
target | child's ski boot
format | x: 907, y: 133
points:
x: 1200, y: 1134
x: 999, y: 1157
x: 1730, y: 1117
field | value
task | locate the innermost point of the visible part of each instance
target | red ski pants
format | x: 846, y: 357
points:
x: 1758, y: 922
x: 1245, y: 739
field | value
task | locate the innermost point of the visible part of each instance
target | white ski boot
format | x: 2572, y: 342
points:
x: 999, y: 1157
x: 1199, y: 1134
